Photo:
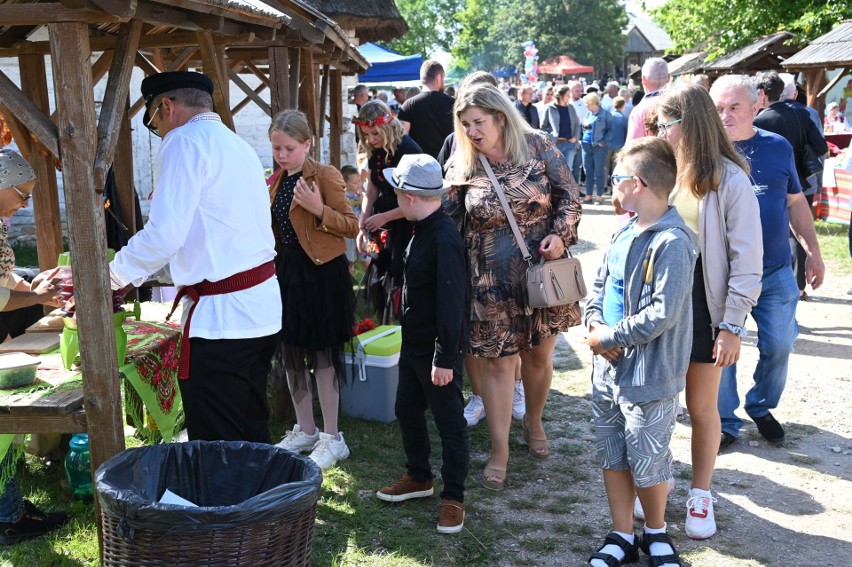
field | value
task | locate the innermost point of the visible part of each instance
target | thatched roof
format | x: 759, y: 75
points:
x: 372, y: 20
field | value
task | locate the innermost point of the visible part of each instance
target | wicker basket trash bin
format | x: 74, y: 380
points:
x: 256, y: 505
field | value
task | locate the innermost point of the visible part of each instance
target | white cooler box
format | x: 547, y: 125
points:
x: 372, y: 374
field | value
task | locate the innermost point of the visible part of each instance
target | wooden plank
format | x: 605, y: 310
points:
x: 39, y: 14
x: 232, y: 12
x: 243, y: 103
x: 258, y: 72
x: 295, y: 76
x: 32, y: 343
x: 212, y: 68
x: 29, y: 114
x: 55, y: 403
x: 307, y: 94
x: 69, y: 423
x: 115, y: 100
x: 279, y: 76
x: 101, y: 66
x: 335, y: 121
x: 124, y: 8
x: 326, y: 75
x: 160, y: 15
x: 250, y: 92
x: 87, y: 234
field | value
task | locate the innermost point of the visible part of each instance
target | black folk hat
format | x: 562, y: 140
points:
x: 160, y: 83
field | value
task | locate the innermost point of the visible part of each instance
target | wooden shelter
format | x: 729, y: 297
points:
x: 285, y: 43
x: 369, y: 20
x: 764, y: 54
x: 828, y: 52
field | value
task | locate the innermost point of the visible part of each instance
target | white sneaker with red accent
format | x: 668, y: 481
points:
x: 638, y: 512
x: 700, y: 519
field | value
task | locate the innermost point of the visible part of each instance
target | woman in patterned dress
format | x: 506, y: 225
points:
x: 546, y: 204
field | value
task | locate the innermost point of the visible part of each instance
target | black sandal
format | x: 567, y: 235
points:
x: 657, y: 560
x: 631, y: 551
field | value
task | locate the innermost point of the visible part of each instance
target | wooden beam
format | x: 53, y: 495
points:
x: 31, y: 116
x: 123, y: 8
x: 158, y: 14
x: 326, y: 75
x: 295, y: 76
x: 335, y: 122
x: 115, y: 100
x: 212, y: 67
x: 69, y: 423
x: 258, y: 72
x: 46, y: 194
x: 232, y: 12
x: 279, y: 75
x: 250, y: 92
x: 39, y: 14
x: 20, y: 134
x: 100, y: 67
x: 146, y: 66
x: 240, y: 105
x: 307, y: 94
x: 122, y: 167
x: 70, y: 52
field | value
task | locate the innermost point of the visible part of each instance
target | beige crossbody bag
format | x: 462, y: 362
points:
x: 550, y: 283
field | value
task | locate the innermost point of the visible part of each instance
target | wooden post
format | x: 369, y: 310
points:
x: 295, y: 76
x: 123, y: 171
x: 46, y: 194
x: 72, y: 77
x: 323, y: 96
x: 213, y: 69
x: 335, y: 122
x: 279, y: 73
x: 307, y: 94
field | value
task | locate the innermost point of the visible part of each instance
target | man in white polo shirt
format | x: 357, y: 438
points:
x: 210, y: 231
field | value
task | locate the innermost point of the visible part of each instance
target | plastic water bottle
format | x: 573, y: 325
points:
x: 78, y: 467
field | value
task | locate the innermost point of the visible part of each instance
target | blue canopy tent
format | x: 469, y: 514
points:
x: 387, y: 66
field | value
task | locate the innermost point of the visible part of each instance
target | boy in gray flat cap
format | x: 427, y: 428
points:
x: 435, y: 313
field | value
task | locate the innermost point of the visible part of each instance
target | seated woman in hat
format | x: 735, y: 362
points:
x: 19, y: 518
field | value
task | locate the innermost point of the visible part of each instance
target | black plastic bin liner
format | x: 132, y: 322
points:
x: 233, y: 483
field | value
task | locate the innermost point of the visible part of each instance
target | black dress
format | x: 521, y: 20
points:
x: 389, y: 261
x: 318, y: 301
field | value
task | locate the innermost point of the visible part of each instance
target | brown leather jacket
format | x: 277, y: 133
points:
x: 322, y: 240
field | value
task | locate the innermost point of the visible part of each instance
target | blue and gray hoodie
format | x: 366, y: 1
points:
x: 656, y: 332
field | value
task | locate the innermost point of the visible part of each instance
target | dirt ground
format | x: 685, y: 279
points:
x: 779, y: 506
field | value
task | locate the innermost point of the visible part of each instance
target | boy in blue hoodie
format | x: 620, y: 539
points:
x: 640, y: 330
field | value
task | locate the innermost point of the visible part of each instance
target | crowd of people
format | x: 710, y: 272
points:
x: 709, y: 190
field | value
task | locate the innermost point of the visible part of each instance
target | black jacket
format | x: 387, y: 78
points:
x: 436, y: 293
x: 530, y: 114
x: 794, y: 124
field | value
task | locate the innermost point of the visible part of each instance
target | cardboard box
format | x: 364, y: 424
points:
x: 372, y: 374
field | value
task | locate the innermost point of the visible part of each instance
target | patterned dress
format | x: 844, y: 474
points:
x: 545, y: 200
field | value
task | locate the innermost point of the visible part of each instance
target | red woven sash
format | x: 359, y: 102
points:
x: 237, y: 282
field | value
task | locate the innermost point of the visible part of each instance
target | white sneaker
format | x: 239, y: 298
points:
x: 519, y: 404
x: 329, y: 450
x: 474, y: 411
x: 638, y: 512
x: 700, y: 519
x: 298, y: 441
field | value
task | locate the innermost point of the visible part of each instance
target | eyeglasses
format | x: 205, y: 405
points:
x: 25, y: 197
x: 154, y: 130
x: 663, y: 129
x: 616, y: 179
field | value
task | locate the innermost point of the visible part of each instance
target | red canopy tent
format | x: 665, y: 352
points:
x: 563, y: 65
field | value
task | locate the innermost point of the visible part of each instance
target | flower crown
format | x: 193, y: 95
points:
x: 380, y: 121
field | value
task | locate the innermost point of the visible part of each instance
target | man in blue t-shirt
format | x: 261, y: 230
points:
x: 782, y: 205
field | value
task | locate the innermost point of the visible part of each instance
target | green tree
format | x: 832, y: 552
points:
x: 431, y: 26
x: 719, y: 26
x: 493, y: 31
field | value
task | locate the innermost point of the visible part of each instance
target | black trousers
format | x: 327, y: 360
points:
x: 414, y: 394
x: 225, y: 395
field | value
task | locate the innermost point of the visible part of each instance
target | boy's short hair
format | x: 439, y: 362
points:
x: 653, y: 161
x: 349, y: 170
x: 421, y: 197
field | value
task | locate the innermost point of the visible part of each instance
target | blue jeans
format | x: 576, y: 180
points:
x: 775, y: 316
x: 594, y: 160
x: 11, y: 503
x: 568, y: 149
x: 574, y: 164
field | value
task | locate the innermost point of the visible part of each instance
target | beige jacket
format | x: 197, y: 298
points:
x: 731, y: 247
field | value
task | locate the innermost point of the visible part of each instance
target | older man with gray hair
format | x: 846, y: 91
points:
x: 782, y: 205
x: 610, y: 92
x: 655, y: 76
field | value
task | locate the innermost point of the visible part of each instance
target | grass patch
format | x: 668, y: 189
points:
x: 834, y: 245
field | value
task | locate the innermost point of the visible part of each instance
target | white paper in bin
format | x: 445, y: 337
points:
x: 361, y: 360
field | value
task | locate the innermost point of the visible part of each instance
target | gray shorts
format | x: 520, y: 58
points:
x: 634, y: 436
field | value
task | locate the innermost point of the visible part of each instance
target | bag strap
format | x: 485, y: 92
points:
x: 509, y: 215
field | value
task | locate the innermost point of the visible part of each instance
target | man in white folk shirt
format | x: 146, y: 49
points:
x: 210, y: 231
